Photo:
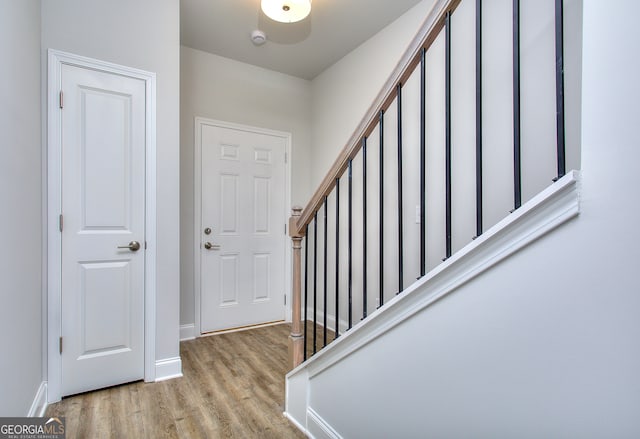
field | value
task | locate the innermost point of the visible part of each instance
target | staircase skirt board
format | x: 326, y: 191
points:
x: 551, y: 208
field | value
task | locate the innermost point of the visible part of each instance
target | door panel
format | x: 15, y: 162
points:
x: 105, y: 150
x: 243, y: 200
x: 229, y: 204
x: 103, y: 190
x: 104, y: 324
x: 261, y: 204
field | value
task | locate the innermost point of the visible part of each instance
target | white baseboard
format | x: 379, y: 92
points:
x: 168, y: 368
x: 39, y: 404
x: 331, y: 321
x: 187, y: 332
x: 298, y: 425
x: 318, y: 427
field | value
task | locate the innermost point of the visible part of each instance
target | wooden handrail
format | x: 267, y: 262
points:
x: 438, y: 22
x: 427, y: 34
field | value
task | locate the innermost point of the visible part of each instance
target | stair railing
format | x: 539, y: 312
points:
x: 304, y: 342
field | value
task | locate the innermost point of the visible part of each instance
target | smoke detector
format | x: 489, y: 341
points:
x: 258, y: 37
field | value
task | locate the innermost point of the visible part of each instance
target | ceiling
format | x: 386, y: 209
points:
x: 303, y: 49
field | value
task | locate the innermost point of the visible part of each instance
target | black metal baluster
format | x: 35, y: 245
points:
x: 349, y: 241
x: 400, y: 220
x: 517, y: 176
x: 315, y: 280
x: 381, y: 236
x: 337, y: 334
x: 306, y: 272
x: 364, y: 228
x: 423, y: 154
x: 448, y: 132
x: 560, y: 131
x: 479, y: 202
x: 324, y: 320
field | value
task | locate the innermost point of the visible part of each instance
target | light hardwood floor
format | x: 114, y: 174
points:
x: 233, y: 387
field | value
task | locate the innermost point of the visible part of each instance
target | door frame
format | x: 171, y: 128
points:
x: 56, y: 59
x: 197, y: 201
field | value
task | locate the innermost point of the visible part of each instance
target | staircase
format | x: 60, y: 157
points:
x: 460, y: 163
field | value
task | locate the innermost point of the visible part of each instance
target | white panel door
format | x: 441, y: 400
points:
x: 103, y: 205
x: 243, y: 205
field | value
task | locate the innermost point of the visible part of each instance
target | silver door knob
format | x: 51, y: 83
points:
x: 134, y: 246
x: 210, y: 246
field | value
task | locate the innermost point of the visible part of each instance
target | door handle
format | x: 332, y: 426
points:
x: 210, y: 246
x: 134, y: 246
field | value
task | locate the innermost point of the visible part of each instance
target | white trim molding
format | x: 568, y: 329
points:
x: 56, y: 59
x: 197, y: 202
x: 168, y: 368
x: 318, y: 427
x: 298, y: 425
x: 551, y: 208
x: 39, y: 404
x: 187, y: 332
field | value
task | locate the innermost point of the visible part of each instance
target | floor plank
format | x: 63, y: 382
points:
x: 233, y: 387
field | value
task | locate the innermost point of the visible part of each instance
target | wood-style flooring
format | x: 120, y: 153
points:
x: 233, y: 387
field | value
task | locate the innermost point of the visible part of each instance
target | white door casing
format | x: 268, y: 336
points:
x: 241, y: 195
x: 101, y: 163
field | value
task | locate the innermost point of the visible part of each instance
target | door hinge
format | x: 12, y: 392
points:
x: 61, y: 96
x: 145, y: 245
x: 285, y: 300
x: 285, y: 228
x: 61, y: 345
x: 60, y: 222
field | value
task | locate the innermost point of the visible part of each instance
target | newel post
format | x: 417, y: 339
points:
x: 296, y: 339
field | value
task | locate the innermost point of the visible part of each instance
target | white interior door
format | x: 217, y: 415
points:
x: 243, y: 228
x: 103, y: 206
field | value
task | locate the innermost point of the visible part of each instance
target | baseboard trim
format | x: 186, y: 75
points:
x: 243, y: 328
x: 331, y: 321
x: 318, y: 427
x: 39, y: 404
x: 296, y: 424
x: 168, y: 368
x: 187, y: 332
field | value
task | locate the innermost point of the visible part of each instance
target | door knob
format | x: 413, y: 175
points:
x: 134, y: 246
x: 210, y: 246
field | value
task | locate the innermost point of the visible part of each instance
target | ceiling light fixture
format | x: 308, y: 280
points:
x: 286, y: 11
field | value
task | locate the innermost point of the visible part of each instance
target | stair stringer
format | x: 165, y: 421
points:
x: 552, y: 207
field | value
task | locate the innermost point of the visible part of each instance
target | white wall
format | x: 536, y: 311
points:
x: 142, y: 34
x: 343, y: 93
x: 545, y: 344
x: 219, y: 88
x: 21, y: 198
x: 321, y: 114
